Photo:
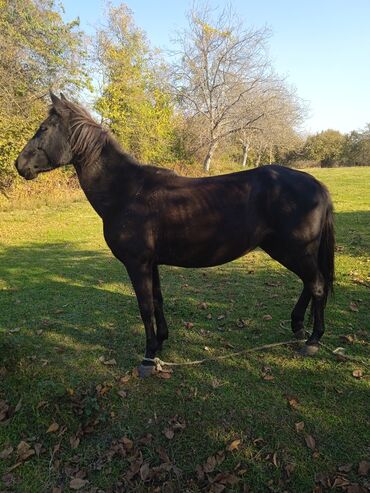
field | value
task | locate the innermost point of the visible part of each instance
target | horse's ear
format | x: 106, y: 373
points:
x: 62, y: 97
x: 57, y: 103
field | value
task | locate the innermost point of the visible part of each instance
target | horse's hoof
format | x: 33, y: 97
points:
x: 146, y: 370
x: 309, y: 350
x: 300, y: 334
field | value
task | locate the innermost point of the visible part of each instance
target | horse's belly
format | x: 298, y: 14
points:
x: 199, y: 254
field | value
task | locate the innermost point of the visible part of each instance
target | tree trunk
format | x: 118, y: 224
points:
x: 209, y: 156
x: 245, y: 155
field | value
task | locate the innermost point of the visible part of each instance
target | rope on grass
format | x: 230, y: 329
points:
x: 160, y: 363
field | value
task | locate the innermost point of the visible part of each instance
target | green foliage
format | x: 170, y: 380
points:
x: 357, y: 148
x: 135, y: 101
x: 38, y: 51
x: 326, y: 147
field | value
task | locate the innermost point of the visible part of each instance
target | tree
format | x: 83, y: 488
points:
x: 134, y: 99
x: 357, y: 148
x: 38, y: 51
x: 326, y: 147
x: 275, y: 133
x: 219, y: 68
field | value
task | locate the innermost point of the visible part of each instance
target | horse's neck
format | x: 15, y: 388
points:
x: 111, y: 182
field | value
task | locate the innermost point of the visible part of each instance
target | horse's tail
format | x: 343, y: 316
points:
x: 326, y: 249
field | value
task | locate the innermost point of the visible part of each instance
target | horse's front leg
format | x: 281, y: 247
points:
x: 162, y: 329
x: 141, y: 276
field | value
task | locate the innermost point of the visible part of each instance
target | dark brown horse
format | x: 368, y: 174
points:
x: 152, y: 216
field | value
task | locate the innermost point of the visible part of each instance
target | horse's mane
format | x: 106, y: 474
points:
x: 87, y: 136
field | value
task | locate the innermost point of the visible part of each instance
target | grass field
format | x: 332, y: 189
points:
x: 73, y: 415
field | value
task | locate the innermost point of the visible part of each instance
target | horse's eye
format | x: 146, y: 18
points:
x: 43, y: 129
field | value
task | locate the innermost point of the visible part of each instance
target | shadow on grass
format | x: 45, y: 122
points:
x: 83, y: 303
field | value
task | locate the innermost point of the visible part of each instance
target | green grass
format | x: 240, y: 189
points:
x: 65, y: 302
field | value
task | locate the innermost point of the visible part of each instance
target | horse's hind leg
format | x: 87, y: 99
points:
x: 162, y: 329
x: 298, y: 313
x: 317, y: 288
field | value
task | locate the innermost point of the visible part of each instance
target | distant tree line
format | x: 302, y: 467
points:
x: 216, y: 96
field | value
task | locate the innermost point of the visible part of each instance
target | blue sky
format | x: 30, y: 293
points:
x: 321, y: 46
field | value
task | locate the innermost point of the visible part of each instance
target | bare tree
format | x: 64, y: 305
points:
x: 283, y: 112
x: 219, y: 68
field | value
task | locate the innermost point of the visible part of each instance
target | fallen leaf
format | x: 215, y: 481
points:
x: 340, y: 482
x: 56, y: 490
x: 363, y: 468
x: 353, y: 306
x: 37, y: 447
x: 124, y: 379
x: 293, y: 402
x: 357, y: 373
x: 4, y: 410
x: 345, y: 467
x: 128, y: 444
x: 145, y: 471
x: 274, y: 459
x: 210, y: 464
x: 53, y: 428
x: 110, y: 362
x: 77, y: 483
x: 188, y: 325
x: 24, y: 450
x: 122, y: 393
x: 74, y: 441
x: 169, y: 433
x: 217, y: 488
x: 166, y: 375
x: 310, y: 442
x: 299, y: 426
x: 349, y: 339
x: 356, y: 488
x: 289, y: 468
x: 6, y: 452
x: 268, y: 377
x: 267, y: 317
x: 234, y: 445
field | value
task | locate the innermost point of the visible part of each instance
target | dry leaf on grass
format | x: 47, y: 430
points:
x: 353, y: 306
x: 299, y: 426
x: 310, y: 442
x: 357, y: 373
x: 6, y: 452
x: 53, y: 428
x: 169, y: 433
x: 345, y: 467
x: 4, y: 410
x: 356, y: 488
x: 145, y: 472
x: 165, y: 375
x: 74, y: 441
x: 24, y: 451
x: 293, y: 402
x: 234, y: 445
x: 77, y: 483
x: 363, y: 468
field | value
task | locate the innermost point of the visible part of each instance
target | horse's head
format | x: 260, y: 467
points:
x: 50, y: 147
